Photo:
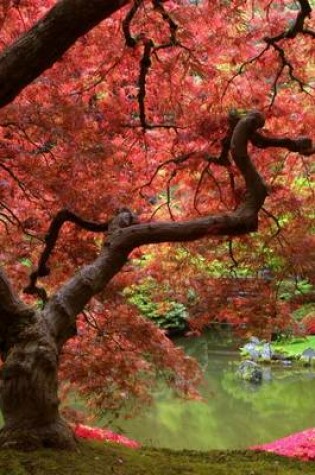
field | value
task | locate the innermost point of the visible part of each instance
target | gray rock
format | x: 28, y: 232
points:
x: 255, y: 340
x: 308, y: 353
x: 266, y: 374
x: 266, y: 352
x: 286, y: 363
x: 251, y: 350
x: 250, y: 371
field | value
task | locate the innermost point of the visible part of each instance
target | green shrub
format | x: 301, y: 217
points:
x: 168, y: 314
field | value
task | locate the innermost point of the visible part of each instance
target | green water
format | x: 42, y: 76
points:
x: 234, y: 414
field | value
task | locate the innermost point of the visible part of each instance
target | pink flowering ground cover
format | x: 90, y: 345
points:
x: 300, y: 445
x: 96, y: 433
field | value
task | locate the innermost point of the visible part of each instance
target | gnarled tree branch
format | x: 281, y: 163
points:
x: 40, y: 47
x: 298, y: 25
x: 10, y: 305
x: 130, y: 40
x: 43, y: 270
x: 64, y: 306
x: 302, y: 145
x: 62, y: 309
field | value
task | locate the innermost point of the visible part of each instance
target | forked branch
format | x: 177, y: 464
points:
x: 10, y: 305
x: 52, y: 235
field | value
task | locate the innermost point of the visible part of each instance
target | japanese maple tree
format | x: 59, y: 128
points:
x: 125, y: 124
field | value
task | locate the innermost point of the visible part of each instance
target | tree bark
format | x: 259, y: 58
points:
x: 40, y: 47
x: 28, y: 378
x: 28, y: 390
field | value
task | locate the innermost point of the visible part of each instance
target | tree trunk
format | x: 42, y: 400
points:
x: 28, y: 390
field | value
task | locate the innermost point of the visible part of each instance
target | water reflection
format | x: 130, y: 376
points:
x: 234, y: 414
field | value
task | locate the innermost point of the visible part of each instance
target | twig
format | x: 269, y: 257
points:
x: 51, y: 239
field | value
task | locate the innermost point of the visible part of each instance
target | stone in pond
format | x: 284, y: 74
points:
x: 250, y: 371
x: 286, y: 363
x: 266, y: 352
x: 266, y: 374
x: 309, y: 353
x: 255, y: 340
x: 251, y: 350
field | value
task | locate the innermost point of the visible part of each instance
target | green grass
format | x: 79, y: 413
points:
x: 295, y: 347
x: 94, y: 458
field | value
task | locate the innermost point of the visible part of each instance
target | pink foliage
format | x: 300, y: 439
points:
x: 300, y: 445
x: 309, y: 323
x: 96, y: 433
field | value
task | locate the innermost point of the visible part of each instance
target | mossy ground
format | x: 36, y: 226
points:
x: 94, y: 458
x: 296, y: 346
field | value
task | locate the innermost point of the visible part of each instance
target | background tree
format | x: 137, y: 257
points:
x: 147, y: 111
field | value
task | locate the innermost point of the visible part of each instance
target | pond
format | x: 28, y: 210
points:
x: 234, y: 414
